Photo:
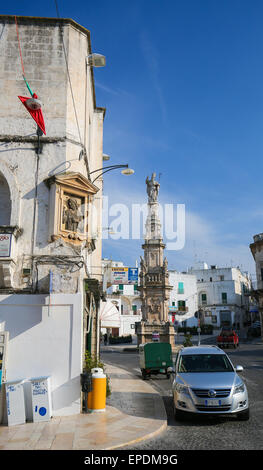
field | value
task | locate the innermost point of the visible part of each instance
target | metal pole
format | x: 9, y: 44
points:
x: 199, y: 329
x: 33, y: 237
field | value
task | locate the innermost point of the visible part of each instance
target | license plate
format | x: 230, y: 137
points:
x: 212, y: 402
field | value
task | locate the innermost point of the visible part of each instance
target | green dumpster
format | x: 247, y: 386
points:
x: 155, y: 358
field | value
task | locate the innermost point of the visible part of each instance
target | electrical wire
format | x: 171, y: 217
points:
x: 77, y: 261
x: 72, y: 95
x: 21, y: 58
x: 19, y: 46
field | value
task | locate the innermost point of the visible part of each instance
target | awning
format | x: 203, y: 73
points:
x: 109, y: 315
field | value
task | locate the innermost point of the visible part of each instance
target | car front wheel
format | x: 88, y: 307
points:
x: 243, y: 415
x: 178, y: 414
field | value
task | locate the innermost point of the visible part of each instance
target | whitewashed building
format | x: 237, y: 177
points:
x: 183, y: 299
x: 50, y: 243
x: 222, y: 295
x: 126, y: 300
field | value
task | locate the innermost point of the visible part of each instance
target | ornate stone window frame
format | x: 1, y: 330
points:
x: 80, y: 189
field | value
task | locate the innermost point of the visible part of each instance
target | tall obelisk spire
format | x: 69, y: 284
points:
x: 154, y: 279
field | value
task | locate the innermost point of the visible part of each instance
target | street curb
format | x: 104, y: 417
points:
x: 135, y: 349
x: 162, y: 417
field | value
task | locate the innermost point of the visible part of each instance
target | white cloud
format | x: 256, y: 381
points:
x: 112, y: 91
x: 151, y: 58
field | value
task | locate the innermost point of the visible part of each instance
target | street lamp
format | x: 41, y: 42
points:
x: 96, y: 60
x: 106, y: 169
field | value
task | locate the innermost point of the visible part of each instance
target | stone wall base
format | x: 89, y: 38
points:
x: 145, y: 330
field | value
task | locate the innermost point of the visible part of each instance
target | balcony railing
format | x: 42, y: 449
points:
x: 181, y: 310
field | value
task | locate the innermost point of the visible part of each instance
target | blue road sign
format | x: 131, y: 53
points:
x: 133, y: 275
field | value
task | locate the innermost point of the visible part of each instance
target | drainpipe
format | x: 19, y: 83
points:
x: 38, y: 152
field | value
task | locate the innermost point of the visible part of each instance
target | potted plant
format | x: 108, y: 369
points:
x: 91, y: 362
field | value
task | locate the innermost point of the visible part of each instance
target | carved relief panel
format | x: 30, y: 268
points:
x: 74, y: 216
x: 71, y: 196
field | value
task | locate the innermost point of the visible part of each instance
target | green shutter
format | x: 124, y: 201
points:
x: 180, y: 287
x: 181, y: 304
x: 89, y: 338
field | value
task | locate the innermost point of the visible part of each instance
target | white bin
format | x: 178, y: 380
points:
x: 41, y: 399
x: 15, y: 403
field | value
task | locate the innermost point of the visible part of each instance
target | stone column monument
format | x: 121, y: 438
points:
x: 154, y: 279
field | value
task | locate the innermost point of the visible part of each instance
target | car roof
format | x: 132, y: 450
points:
x: 201, y: 350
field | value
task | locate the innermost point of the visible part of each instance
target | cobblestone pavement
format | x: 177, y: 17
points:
x: 217, y: 433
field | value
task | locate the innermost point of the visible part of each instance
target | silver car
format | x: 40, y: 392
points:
x: 206, y: 382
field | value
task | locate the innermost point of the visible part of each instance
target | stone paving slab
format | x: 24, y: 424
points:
x: 134, y: 412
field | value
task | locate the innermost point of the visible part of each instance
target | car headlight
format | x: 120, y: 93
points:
x: 239, y: 388
x: 180, y: 388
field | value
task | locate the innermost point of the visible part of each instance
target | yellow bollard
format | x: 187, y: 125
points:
x: 97, y: 397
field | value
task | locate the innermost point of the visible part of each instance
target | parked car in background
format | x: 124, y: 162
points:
x: 205, y: 382
x: 227, y: 338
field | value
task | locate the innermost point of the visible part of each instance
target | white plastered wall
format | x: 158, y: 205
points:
x: 45, y: 339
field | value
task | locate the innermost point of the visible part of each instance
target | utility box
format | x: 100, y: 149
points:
x: 41, y: 399
x: 15, y: 403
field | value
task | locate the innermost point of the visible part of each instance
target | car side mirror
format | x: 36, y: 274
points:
x: 170, y: 370
x: 239, y: 368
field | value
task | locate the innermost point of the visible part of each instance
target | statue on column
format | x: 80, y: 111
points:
x: 152, y: 188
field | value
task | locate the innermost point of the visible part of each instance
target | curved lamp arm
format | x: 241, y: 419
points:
x: 106, y: 169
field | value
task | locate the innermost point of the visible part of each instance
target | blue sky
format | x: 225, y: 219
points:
x: 184, y: 98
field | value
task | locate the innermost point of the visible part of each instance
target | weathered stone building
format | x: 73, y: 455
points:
x: 257, y: 251
x: 50, y: 211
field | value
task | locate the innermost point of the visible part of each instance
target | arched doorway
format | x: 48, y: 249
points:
x: 5, y: 202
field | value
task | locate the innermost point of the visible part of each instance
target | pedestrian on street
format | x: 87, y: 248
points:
x: 105, y: 339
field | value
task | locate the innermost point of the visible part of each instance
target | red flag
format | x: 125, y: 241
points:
x: 36, y: 114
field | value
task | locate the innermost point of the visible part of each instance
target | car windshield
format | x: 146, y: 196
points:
x: 204, y: 363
